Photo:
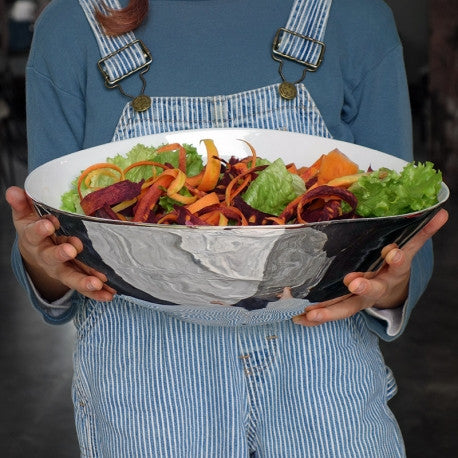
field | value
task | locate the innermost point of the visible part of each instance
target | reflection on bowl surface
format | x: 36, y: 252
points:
x: 240, y: 266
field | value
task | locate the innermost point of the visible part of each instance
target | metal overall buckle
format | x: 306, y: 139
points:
x: 288, y: 89
x: 141, y: 102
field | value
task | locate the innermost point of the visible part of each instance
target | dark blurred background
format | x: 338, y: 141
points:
x: 36, y: 414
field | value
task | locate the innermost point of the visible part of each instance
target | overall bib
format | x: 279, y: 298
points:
x: 156, y: 380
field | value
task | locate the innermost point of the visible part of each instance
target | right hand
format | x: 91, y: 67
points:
x: 52, y: 265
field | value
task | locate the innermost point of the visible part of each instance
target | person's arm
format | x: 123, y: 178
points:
x: 383, y: 121
x: 378, y: 110
x: 55, y: 127
x: 45, y: 269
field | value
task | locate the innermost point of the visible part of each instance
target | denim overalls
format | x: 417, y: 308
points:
x: 163, y: 381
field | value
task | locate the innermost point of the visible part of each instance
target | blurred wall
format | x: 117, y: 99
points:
x: 429, y: 32
x: 412, y: 20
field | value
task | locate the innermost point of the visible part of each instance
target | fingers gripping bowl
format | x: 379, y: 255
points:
x: 244, y: 266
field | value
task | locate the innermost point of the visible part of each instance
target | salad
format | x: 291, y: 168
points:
x: 170, y: 184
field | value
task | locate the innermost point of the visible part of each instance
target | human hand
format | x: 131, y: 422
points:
x: 387, y: 288
x: 50, y: 260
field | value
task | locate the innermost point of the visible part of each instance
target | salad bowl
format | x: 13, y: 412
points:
x: 237, y: 266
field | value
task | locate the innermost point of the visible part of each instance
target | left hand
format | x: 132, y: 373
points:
x: 385, y: 289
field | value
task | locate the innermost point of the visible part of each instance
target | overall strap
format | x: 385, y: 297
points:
x: 302, y: 37
x: 120, y: 55
x: 301, y: 40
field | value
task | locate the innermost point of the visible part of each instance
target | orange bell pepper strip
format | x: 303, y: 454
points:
x: 212, y: 168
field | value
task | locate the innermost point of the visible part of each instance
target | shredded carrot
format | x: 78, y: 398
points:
x: 212, y: 218
x: 181, y: 154
x: 290, y: 208
x: 253, y: 154
x: 102, y: 165
x: 140, y: 163
x: 178, y: 182
x: 239, y: 167
x: 212, y: 167
x: 186, y: 200
x: 229, y: 194
x: 169, y: 218
x: 205, y: 201
x: 195, y: 180
x: 98, y: 172
x: 150, y: 197
x: 194, y: 191
x: 276, y: 219
x: 234, y: 211
x: 307, y: 173
x: 123, y: 205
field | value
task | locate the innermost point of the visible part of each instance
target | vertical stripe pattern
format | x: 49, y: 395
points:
x: 152, y: 382
x: 127, y: 60
x: 259, y: 108
x: 307, y: 18
x: 149, y: 385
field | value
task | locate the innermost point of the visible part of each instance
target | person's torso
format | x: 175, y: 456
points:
x: 197, y: 51
x: 236, y: 44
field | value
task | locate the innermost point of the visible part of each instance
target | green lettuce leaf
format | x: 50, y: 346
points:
x: 144, y: 153
x: 273, y: 189
x: 386, y: 192
x: 70, y: 201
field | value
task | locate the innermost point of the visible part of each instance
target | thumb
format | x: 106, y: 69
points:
x: 20, y: 204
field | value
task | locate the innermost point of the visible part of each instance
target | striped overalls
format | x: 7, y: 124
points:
x: 154, y: 380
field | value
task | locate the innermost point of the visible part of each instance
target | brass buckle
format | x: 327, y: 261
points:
x: 112, y: 83
x: 311, y: 67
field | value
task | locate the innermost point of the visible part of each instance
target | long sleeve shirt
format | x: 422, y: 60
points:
x: 211, y: 47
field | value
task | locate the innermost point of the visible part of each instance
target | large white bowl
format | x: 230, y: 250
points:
x: 240, y: 266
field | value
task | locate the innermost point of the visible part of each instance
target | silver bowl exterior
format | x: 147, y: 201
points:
x: 239, y: 266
